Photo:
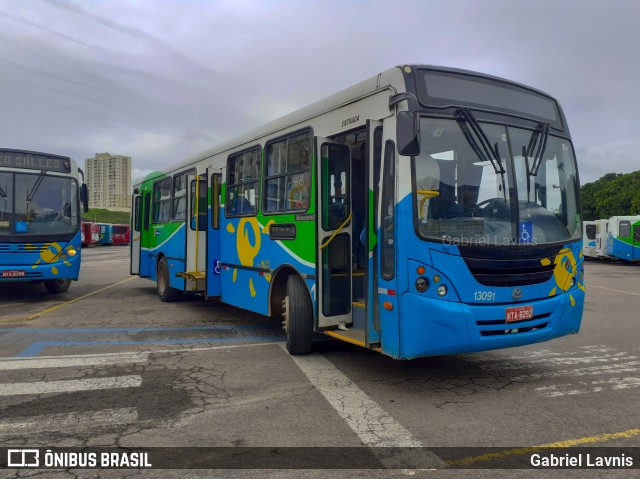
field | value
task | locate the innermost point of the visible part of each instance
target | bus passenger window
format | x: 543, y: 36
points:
x: 243, y: 170
x: 288, y: 174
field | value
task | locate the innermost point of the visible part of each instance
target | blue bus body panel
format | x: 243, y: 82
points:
x: 246, y: 277
x: 621, y: 250
x: 41, y: 261
x: 471, y: 316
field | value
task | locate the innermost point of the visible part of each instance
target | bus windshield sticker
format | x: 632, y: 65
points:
x: 526, y: 232
x: 21, y: 226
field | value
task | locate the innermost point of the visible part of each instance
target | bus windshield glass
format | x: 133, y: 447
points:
x: 38, y: 205
x: 490, y: 188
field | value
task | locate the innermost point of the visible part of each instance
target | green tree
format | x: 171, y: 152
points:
x: 614, y: 194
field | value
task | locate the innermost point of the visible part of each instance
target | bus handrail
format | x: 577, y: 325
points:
x: 336, y: 232
x: 428, y: 194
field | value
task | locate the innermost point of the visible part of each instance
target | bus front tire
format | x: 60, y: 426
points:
x: 165, y: 291
x: 298, y: 317
x: 55, y: 286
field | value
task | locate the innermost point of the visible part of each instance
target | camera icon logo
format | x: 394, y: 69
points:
x: 23, y: 458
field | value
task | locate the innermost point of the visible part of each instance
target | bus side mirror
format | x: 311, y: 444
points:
x: 408, y: 133
x: 84, y: 197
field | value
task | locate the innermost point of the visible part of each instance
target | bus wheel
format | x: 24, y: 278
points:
x: 55, y: 286
x: 165, y: 291
x: 298, y: 316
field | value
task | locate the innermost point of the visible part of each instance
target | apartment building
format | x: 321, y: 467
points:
x: 108, y: 178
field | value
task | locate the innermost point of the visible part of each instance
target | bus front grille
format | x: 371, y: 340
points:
x: 499, y: 327
x: 534, y: 267
x: 25, y: 248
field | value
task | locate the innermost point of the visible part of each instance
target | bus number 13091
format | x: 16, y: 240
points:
x: 484, y: 295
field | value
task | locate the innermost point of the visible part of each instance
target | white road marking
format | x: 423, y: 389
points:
x: 589, y: 387
x: 372, y: 424
x: 72, y: 361
x: 60, y: 422
x: 148, y: 351
x: 596, y: 359
x: 613, y: 369
x: 564, y: 361
x: 73, y: 385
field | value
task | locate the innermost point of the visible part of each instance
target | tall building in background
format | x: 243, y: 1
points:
x: 108, y: 178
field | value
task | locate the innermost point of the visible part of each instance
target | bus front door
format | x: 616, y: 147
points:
x: 334, y: 292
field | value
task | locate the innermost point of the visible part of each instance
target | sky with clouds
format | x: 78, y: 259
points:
x: 159, y: 80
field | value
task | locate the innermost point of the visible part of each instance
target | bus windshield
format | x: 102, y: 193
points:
x: 489, y: 186
x: 38, y: 205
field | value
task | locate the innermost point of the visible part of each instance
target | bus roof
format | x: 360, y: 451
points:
x: 392, y: 79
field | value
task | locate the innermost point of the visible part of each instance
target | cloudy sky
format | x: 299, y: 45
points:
x: 159, y: 80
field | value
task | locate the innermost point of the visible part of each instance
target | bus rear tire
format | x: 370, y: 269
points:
x: 298, y: 317
x: 165, y: 291
x: 55, y: 286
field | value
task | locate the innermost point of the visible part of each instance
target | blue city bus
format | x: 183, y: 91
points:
x: 106, y: 234
x: 623, y: 238
x: 424, y: 211
x: 40, y: 199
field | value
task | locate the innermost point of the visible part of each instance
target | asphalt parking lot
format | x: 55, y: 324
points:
x: 108, y: 364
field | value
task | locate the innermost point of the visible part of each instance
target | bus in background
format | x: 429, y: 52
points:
x: 40, y: 200
x: 424, y: 211
x: 623, y: 239
x: 121, y: 234
x: 106, y: 234
x: 90, y: 233
x: 602, y: 234
x: 589, y: 239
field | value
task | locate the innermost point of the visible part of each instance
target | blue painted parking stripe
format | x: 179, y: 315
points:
x: 137, y: 330
x: 36, y: 348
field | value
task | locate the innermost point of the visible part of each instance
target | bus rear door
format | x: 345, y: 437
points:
x: 196, y: 237
x: 135, y: 243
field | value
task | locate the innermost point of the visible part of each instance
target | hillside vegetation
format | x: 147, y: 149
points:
x: 615, y: 194
x: 106, y: 216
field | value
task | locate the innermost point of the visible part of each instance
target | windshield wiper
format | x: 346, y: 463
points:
x: 538, y: 139
x: 488, y: 153
x: 3, y: 194
x: 32, y: 193
x: 485, y: 152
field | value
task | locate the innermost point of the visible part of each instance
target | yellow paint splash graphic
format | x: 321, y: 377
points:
x: 248, y: 243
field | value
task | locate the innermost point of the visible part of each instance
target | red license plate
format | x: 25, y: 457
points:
x: 13, y: 273
x: 520, y: 313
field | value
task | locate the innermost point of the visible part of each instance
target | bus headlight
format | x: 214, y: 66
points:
x: 72, y: 252
x: 442, y: 290
x: 422, y: 284
x: 581, y: 276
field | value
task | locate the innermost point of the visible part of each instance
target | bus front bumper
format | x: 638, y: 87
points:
x: 39, y: 270
x: 432, y: 327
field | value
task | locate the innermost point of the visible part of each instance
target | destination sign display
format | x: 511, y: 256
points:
x: 32, y: 160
